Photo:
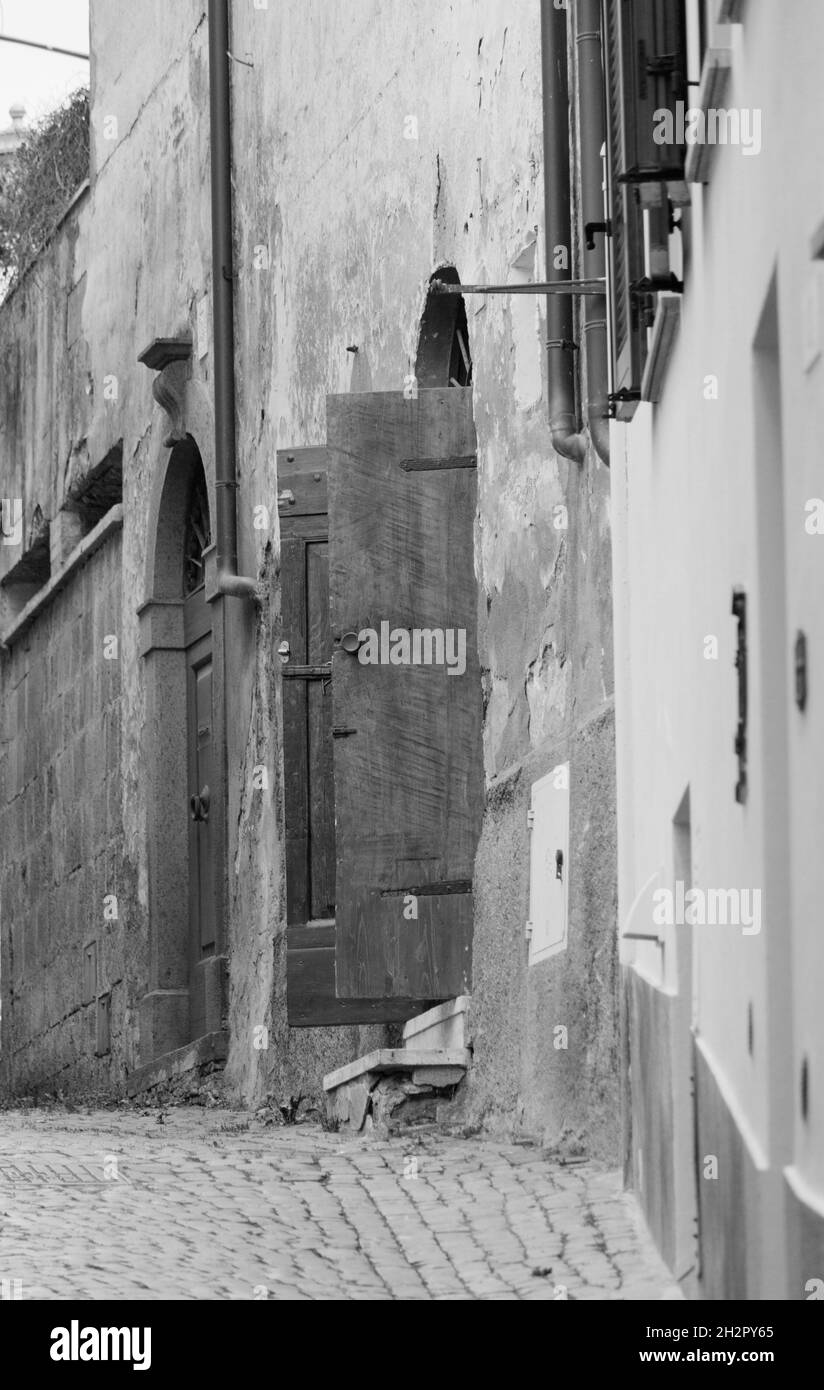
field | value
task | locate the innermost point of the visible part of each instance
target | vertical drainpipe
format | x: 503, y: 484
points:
x: 567, y: 439
x: 593, y: 135
x: 228, y: 579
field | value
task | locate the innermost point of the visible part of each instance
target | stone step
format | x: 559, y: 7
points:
x: 447, y: 1025
x: 391, y: 1084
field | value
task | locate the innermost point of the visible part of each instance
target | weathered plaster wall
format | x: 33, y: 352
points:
x: 157, y: 271
x: 341, y: 219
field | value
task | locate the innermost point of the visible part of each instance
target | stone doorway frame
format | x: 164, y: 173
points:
x: 164, y: 1009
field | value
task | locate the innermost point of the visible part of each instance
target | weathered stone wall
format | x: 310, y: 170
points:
x: 46, y: 393
x: 64, y: 886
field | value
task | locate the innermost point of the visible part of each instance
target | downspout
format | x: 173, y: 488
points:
x: 228, y: 579
x: 567, y: 439
x: 593, y: 136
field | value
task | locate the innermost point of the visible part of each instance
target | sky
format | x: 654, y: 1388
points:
x: 41, y: 81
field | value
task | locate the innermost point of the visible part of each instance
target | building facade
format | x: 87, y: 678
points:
x: 315, y: 534
x: 186, y: 825
x: 717, y: 571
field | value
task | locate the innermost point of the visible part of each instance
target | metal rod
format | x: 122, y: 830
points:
x: 597, y: 286
x: 49, y: 47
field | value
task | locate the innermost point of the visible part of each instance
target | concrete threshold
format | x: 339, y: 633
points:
x: 212, y: 1047
x: 398, y: 1059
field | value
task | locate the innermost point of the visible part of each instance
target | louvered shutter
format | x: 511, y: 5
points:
x: 645, y: 63
x: 407, y: 745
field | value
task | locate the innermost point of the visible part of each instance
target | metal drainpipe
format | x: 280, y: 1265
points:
x: 567, y: 439
x: 593, y: 136
x: 228, y: 579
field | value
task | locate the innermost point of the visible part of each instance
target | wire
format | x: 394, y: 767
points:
x: 48, y: 47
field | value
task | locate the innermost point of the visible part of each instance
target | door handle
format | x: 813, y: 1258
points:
x: 350, y: 642
x: 199, y: 805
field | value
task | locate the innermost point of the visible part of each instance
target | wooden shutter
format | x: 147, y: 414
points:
x: 645, y: 65
x: 309, y: 792
x: 407, y: 746
x: 307, y: 699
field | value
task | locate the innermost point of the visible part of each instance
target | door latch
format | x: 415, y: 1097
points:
x: 199, y: 805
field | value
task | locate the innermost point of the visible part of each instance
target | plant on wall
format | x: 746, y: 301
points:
x: 38, y: 182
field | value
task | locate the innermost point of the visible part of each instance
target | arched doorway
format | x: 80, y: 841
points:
x: 185, y: 816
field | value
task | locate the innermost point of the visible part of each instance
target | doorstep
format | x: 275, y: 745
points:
x: 212, y: 1047
x: 393, y: 1086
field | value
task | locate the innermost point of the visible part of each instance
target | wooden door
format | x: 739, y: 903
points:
x: 407, y: 732
x: 199, y: 804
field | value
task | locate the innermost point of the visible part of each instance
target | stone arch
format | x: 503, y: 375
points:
x: 197, y: 426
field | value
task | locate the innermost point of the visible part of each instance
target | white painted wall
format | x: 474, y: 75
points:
x: 692, y: 520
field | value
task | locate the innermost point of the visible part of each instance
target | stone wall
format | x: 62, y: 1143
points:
x: 66, y: 890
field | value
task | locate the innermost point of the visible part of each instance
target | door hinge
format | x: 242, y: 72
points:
x: 528, y: 931
x: 343, y: 733
x: 530, y: 820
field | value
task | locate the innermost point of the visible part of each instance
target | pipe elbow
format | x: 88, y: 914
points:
x: 239, y: 586
x: 567, y: 439
x: 598, y: 423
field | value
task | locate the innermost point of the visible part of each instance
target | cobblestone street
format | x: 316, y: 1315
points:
x: 214, y: 1204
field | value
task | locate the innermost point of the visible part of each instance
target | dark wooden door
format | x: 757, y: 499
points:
x: 407, y: 732
x: 202, y: 791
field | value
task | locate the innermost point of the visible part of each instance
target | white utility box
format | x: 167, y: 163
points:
x: 549, y: 864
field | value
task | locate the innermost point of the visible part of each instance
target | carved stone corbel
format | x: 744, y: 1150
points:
x: 168, y: 396
x: 167, y: 357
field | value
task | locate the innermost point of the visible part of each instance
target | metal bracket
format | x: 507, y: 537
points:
x: 653, y: 174
x: 656, y: 284
x: 590, y: 228
x: 569, y: 287
x: 739, y: 611
x: 801, y: 670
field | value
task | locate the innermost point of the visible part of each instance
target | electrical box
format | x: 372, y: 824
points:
x: 549, y: 864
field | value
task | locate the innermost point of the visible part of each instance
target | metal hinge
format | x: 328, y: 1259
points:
x: 528, y: 931
x: 530, y: 820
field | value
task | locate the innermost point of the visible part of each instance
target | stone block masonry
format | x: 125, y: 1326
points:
x: 62, y: 879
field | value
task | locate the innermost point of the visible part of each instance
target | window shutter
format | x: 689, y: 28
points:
x: 407, y: 745
x: 645, y: 64
x: 652, y: 38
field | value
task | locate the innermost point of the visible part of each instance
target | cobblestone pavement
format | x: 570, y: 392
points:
x: 217, y: 1204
